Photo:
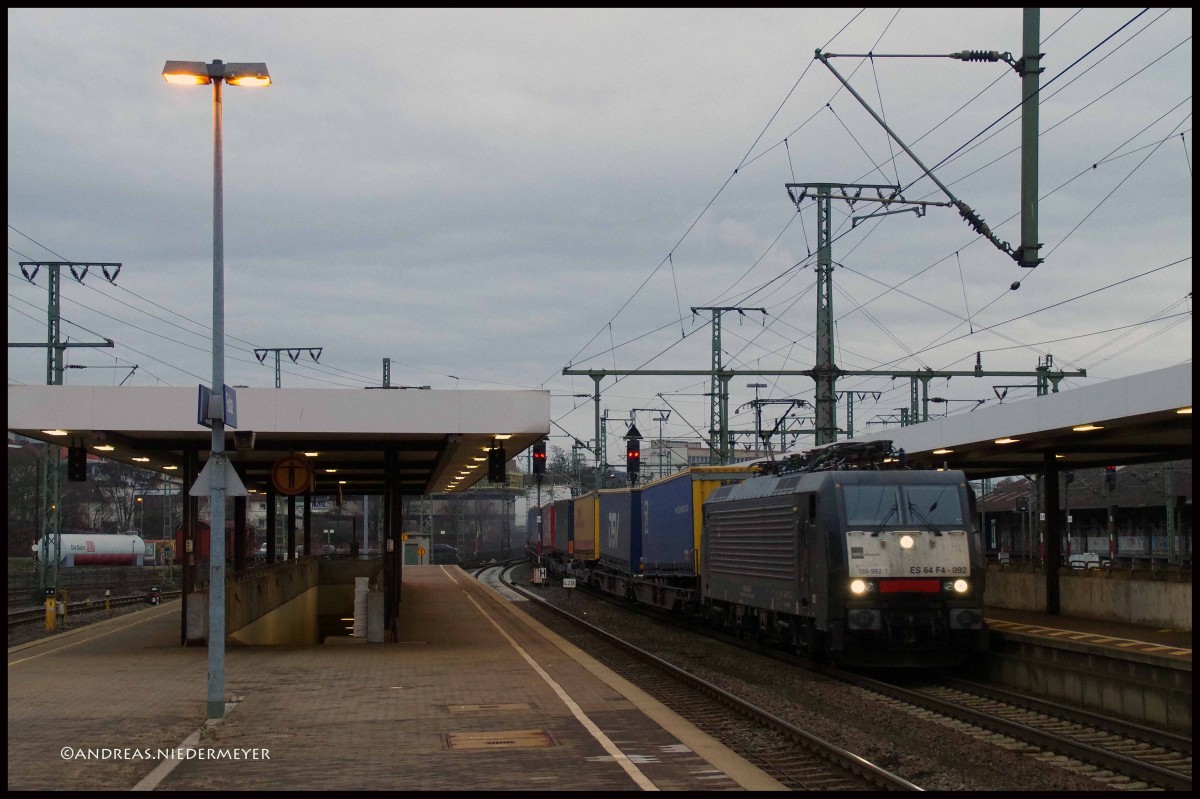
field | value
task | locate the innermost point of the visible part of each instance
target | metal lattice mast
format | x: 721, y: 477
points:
x: 294, y: 354
x: 825, y: 372
x: 51, y: 469
x: 716, y: 436
x: 601, y: 466
x: 718, y: 417
x: 825, y: 369
x: 54, y: 354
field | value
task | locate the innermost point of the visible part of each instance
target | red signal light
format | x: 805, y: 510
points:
x: 539, y: 458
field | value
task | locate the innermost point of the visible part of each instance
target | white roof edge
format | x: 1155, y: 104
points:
x: 285, y: 410
x: 1135, y: 395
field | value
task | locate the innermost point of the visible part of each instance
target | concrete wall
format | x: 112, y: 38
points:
x: 293, y: 623
x: 284, y: 604
x: 1095, y: 594
x: 265, y: 589
x: 343, y: 572
x: 337, y: 583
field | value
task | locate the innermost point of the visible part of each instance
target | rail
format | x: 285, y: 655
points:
x: 16, y: 618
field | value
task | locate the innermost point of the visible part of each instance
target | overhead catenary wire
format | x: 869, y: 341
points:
x: 710, y: 203
x: 780, y: 287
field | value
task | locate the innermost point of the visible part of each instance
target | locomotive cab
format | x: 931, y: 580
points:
x: 913, y: 587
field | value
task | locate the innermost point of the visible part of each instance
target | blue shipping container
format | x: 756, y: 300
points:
x: 620, y: 533
x: 668, y: 542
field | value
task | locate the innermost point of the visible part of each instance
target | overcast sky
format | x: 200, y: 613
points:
x: 489, y: 196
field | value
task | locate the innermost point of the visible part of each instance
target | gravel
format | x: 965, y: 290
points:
x: 34, y: 631
x: 932, y: 752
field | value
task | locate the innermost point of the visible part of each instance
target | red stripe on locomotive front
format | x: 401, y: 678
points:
x: 910, y: 586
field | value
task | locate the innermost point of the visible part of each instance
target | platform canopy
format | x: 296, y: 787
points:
x: 436, y: 435
x: 1144, y: 418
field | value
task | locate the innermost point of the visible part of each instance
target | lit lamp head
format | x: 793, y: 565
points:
x: 192, y: 73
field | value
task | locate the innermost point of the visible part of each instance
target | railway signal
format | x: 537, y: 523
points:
x: 496, y: 463
x: 633, y: 452
x: 539, y: 458
x: 77, y: 464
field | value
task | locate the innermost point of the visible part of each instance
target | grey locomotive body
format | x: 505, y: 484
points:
x: 870, y: 567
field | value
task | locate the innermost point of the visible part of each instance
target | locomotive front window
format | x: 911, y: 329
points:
x: 871, y: 506
x: 938, y: 505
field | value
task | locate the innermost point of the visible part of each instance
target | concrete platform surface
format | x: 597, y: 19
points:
x: 475, y: 697
x: 1114, y: 638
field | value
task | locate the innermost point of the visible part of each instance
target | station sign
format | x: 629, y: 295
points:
x: 228, y: 406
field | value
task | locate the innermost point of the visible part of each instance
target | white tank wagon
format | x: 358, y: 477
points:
x: 94, y: 549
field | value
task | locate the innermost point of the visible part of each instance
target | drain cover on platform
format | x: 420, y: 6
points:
x: 508, y: 739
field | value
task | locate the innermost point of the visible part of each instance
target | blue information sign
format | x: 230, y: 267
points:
x: 228, y: 406
x: 229, y: 401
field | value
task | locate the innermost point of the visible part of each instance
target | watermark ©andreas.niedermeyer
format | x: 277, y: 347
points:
x: 147, y: 753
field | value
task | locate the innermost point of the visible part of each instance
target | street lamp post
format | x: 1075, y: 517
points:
x: 239, y: 74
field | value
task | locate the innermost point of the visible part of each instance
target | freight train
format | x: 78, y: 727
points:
x: 841, y: 553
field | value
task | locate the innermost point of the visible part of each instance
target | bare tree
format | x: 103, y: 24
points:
x: 118, y: 486
x: 24, y: 496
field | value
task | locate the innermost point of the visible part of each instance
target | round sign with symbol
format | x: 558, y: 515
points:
x: 291, y: 475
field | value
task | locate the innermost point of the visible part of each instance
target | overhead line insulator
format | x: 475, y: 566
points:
x: 977, y: 55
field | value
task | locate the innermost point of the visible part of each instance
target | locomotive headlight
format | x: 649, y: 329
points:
x: 858, y: 587
x: 907, y: 542
x: 961, y: 586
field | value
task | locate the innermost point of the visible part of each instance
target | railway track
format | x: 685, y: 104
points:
x: 794, y: 757
x: 17, y: 618
x: 1121, y: 754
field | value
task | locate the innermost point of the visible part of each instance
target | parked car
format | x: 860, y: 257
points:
x: 1087, y: 560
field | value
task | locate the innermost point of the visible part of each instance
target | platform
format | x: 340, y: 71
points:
x: 476, y: 696
x: 1114, y: 639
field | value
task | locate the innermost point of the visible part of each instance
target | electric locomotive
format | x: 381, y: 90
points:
x: 865, y: 566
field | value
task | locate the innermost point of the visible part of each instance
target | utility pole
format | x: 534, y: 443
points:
x: 850, y: 396
x: 758, y: 436
x: 601, y: 453
x: 918, y: 411
x: 826, y: 372
x: 662, y: 417
x: 387, y: 374
x: 55, y: 347
x: 718, y: 418
x: 1030, y: 69
x: 779, y: 427
x: 294, y: 354
x: 577, y: 463
x: 965, y: 211
x: 1046, y: 377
